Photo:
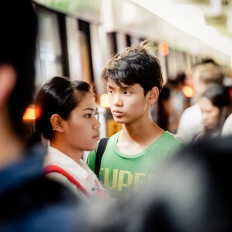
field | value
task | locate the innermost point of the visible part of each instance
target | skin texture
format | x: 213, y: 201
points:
x: 82, y: 125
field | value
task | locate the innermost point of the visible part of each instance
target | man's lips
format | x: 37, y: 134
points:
x: 117, y: 113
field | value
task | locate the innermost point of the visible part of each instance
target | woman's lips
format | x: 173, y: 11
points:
x: 97, y: 137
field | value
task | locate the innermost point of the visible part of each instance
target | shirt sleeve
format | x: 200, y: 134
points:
x: 227, y: 127
x: 175, y: 145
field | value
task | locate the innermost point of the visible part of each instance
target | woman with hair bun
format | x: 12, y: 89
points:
x: 66, y: 117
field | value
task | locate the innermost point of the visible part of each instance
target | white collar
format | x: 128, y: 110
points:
x: 56, y: 157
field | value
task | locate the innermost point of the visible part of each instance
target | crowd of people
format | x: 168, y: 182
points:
x: 149, y: 178
x: 203, y: 74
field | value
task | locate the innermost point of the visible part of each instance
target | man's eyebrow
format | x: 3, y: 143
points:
x: 127, y: 87
x: 110, y: 86
x: 121, y: 86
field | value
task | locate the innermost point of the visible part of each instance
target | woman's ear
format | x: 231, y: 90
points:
x: 56, y: 122
x: 152, y: 95
x: 7, y: 82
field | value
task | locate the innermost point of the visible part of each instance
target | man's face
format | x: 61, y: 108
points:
x: 127, y: 103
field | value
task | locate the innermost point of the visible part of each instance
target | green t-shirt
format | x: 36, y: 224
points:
x: 120, y: 173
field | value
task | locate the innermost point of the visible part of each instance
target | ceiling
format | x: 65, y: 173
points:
x: 197, y: 21
x: 217, y: 13
x: 194, y: 25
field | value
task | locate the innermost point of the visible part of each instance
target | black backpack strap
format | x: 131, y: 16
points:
x: 100, y: 150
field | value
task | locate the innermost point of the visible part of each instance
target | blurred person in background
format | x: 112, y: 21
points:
x: 28, y: 200
x: 167, y: 116
x: 203, y: 74
x: 227, y: 127
x: 134, y: 80
x: 178, y: 97
x: 67, y: 119
x: 215, y: 106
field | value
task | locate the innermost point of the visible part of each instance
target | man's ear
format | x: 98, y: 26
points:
x: 57, y: 123
x: 7, y: 82
x: 152, y: 95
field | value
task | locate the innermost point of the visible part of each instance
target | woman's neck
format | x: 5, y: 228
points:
x: 73, y: 154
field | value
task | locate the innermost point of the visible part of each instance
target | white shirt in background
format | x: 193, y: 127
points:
x: 190, y: 124
x: 227, y: 127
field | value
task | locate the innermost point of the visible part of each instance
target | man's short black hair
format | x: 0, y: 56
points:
x: 135, y: 65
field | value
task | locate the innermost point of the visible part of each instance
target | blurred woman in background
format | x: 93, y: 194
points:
x: 215, y: 105
x: 167, y: 116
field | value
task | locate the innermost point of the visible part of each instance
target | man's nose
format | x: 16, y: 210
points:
x: 118, y: 100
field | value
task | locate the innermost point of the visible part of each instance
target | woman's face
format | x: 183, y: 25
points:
x: 81, y: 129
x: 210, y: 113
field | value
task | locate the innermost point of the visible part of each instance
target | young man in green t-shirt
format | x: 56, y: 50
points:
x: 134, y: 81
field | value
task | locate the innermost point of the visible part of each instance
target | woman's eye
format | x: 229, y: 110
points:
x: 110, y: 91
x: 88, y: 115
x: 127, y: 92
x: 96, y: 115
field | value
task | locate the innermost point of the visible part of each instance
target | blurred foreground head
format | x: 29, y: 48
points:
x: 192, y: 194
x: 18, y: 29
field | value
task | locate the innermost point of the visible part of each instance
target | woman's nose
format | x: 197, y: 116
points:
x: 97, y: 123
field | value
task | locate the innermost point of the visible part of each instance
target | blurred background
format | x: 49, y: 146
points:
x: 76, y: 38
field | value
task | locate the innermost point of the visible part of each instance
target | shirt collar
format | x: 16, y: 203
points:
x: 56, y: 157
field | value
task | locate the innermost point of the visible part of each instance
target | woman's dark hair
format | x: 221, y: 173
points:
x: 218, y: 95
x: 60, y: 96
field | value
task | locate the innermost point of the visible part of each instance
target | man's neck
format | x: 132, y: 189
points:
x: 142, y: 134
x: 134, y: 142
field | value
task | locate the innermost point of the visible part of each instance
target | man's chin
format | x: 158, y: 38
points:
x: 118, y: 120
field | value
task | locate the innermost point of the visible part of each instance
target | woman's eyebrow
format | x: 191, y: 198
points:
x: 91, y: 109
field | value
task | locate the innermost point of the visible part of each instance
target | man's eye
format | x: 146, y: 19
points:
x: 110, y: 91
x: 127, y: 92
